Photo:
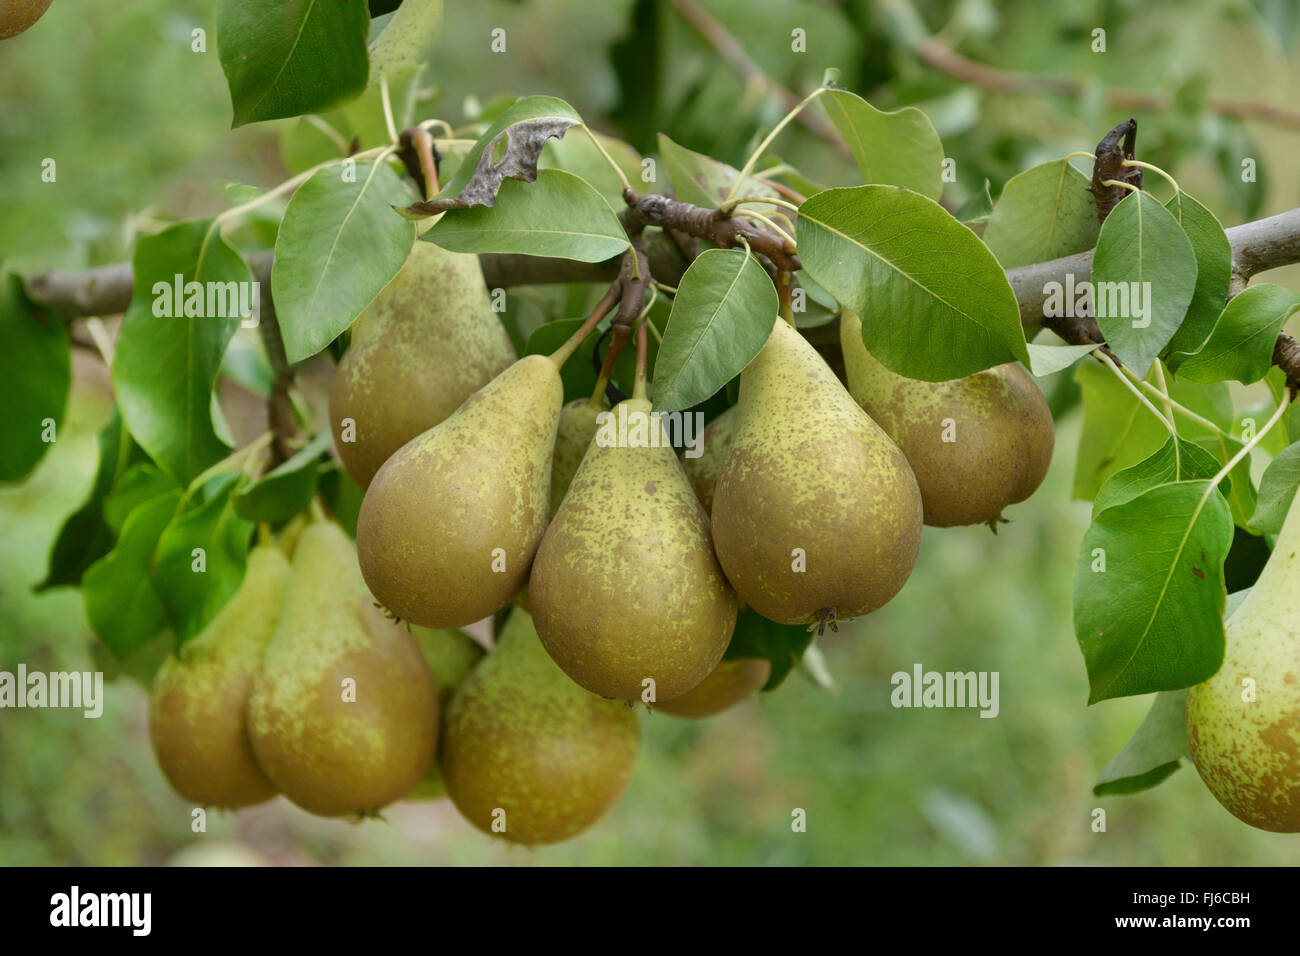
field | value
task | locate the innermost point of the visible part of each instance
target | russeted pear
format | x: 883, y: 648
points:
x: 427, y: 342
x: 576, y: 430
x: 625, y: 586
x: 1248, y: 750
x: 976, y: 444
x: 451, y: 656
x: 450, y: 523
x: 343, y: 714
x: 816, y: 515
x: 198, y: 703
x: 18, y: 15
x: 729, y: 684
x: 703, y: 471
x: 526, y: 748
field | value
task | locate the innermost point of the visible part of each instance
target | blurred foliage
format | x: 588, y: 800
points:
x: 139, y: 126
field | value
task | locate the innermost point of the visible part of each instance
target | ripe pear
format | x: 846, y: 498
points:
x: 703, y: 471
x: 427, y: 342
x: 449, y: 525
x: 451, y: 656
x: 729, y: 684
x: 576, y: 430
x: 816, y: 515
x: 197, y: 705
x: 18, y: 15
x: 976, y: 444
x: 625, y: 586
x: 1248, y: 750
x: 343, y: 714
x: 527, y: 754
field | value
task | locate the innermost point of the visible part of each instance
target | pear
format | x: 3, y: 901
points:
x: 343, y: 714
x: 527, y: 754
x: 198, y: 700
x: 427, y: 342
x: 451, y: 656
x: 18, y: 15
x: 450, y: 523
x: 577, y: 428
x: 729, y: 684
x: 816, y: 515
x: 976, y: 444
x: 625, y: 586
x: 1248, y: 750
x: 703, y: 471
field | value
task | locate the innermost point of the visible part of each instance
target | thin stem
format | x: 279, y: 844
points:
x: 1155, y: 169
x: 1176, y: 406
x: 389, y: 122
x: 664, y: 287
x: 294, y: 181
x: 1080, y: 153
x: 431, y: 123
x: 731, y: 204
x: 1246, y: 448
x: 328, y: 131
x: 767, y: 141
x: 607, y: 302
x: 1109, y: 363
x: 99, y: 334
x: 1116, y: 182
x: 1163, y: 388
x: 607, y: 367
x: 642, y: 350
x: 609, y: 159
x: 791, y: 246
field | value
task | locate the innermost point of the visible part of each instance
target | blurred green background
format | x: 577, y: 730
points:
x: 138, y: 124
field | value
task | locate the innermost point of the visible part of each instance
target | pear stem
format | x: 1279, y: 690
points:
x: 607, y: 302
x: 602, y: 380
x: 784, y: 281
x: 642, y: 348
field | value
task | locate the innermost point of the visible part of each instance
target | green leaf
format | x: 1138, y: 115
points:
x: 1149, y: 591
x: 1277, y: 489
x: 139, y: 483
x: 1143, y: 257
x: 285, y: 491
x: 121, y: 604
x: 887, y: 253
x: 560, y: 216
x: 782, y: 644
x: 1213, y: 270
x: 35, y: 372
x: 722, y: 316
x: 339, y: 245
x: 1043, y: 213
x: 291, y: 57
x: 194, y: 586
x: 1241, y: 346
x: 978, y: 208
x: 86, y: 536
x: 1155, y: 750
x: 703, y: 180
x: 527, y: 109
x: 342, y: 496
x: 576, y: 154
x: 1188, y: 463
x: 1049, y: 359
x: 894, y: 149
x: 166, y: 365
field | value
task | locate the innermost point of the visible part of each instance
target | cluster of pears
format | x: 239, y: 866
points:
x: 1243, y: 724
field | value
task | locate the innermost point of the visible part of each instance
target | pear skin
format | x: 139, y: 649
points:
x: 527, y: 749
x: 1248, y: 751
x: 451, y: 655
x: 729, y: 684
x: 703, y: 471
x: 576, y: 430
x: 976, y: 444
x: 343, y: 714
x: 197, y: 704
x: 16, y: 16
x: 450, y: 523
x: 816, y: 515
x: 626, y: 587
x: 426, y: 343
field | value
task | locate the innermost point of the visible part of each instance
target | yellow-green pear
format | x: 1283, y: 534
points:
x: 703, y: 471
x: 625, y: 588
x: 451, y: 655
x: 198, y: 703
x: 343, y: 714
x: 527, y: 754
x: 18, y: 15
x: 1243, y: 724
x: 450, y: 523
x: 578, y: 424
x: 729, y: 684
x: 976, y: 444
x: 427, y: 342
x: 816, y: 515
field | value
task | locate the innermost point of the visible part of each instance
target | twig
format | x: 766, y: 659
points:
x: 711, y: 224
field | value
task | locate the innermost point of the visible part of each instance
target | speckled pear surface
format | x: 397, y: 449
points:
x: 522, y: 738
x: 626, y: 587
x: 576, y: 430
x: 439, y: 509
x: 1248, y: 752
x: 703, y: 471
x: 18, y: 15
x: 199, y: 697
x: 427, y: 342
x: 729, y: 684
x: 328, y: 754
x: 809, y: 470
x: 451, y: 656
x: 1001, y: 430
